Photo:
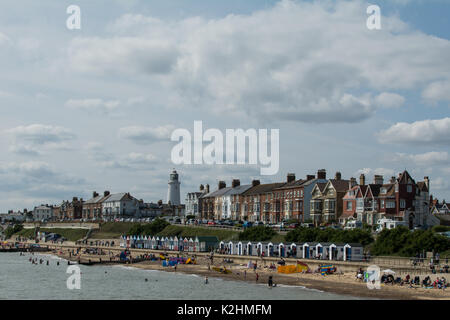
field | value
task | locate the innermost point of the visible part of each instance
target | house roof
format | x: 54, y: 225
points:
x: 118, y: 197
x: 292, y: 184
x: 238, y: 189
x: 207, y: 238
x: 340, y: 185
x: 262, y: 188
x: 422, y: 186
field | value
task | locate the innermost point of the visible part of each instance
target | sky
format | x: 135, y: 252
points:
x: 93, y: 109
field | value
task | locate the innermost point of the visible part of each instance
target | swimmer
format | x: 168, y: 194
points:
x: 146, y: 280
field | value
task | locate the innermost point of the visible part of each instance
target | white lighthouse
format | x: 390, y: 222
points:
x: 173, y: 193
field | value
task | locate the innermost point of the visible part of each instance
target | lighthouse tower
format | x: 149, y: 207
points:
x: 173, y: 193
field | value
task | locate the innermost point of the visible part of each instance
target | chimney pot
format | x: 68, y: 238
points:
x: 290, y: 177
x: 321, y: 174
x: 255, y: 183
x: 362, y: 179
x: 222, y: 185
x: 235, y: 183
x: 338, y: 176
x: 310, y: 177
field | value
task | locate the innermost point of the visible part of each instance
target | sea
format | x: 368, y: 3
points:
x: 20, y: 279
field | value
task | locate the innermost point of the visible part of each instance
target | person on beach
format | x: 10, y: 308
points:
x: 257, y: 277
x: 245, y: 274
x: 270, y: 282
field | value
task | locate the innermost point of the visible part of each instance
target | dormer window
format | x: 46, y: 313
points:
x: 383, y: 190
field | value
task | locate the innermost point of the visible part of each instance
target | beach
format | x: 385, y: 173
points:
x: 342, y: 283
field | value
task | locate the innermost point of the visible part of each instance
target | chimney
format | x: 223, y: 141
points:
x: 94, y: 194
x: 202, y: 187
x: 321, y: 174
x: 106, y: 193
x: 207, y: 188
x: 235, y: 183
x: 427, y: 182
x: 352, y: 182
x: 362, y: 179
x: 338, y: 176
x: 310, y: 177
x: 74, y: 199
x: 255, y: 183
x: 290, y: 177
x: 222, y: 185
x: 392, y: 180
x: 378, y: 179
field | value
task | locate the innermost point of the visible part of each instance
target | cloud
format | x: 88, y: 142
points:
x: 436, y: 132
x: 385, y: 172
x: 390, y: 100
x: 423, y: 159
x: 92, y: 104
x: 40, y: 134
x: 146, y: 135
x: 25, y: 150
x: 437, y: 91
x: 293, y: 61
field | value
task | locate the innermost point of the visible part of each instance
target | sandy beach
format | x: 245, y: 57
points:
x: 341, y: 283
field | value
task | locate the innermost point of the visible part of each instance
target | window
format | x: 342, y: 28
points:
x: 402, y: 203
x: 349, y: 205
x: 390, y: 204
x: 409, y: 188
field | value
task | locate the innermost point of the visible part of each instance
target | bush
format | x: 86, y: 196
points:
x: 12, y: 230
x: 362, y: 236
x: 259, y: 233
x: 441, y: 228
x: 401, y: 241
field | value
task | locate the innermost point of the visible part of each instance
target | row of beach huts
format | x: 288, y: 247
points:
x: 308, y: 250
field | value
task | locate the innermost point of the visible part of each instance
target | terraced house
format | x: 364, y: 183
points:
x: 257, y: 202
x: 92, y: 208
x: 326, y: 201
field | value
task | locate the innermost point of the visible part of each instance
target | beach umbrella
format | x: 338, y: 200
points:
x: 388, y: 271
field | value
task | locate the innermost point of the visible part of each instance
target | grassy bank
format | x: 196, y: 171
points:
x: 112, y: 230
x: 69, y: 234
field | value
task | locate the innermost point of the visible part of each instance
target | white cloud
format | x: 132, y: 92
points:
x: 423, y: 159
x: 436, y: 132
x: 390, y: 100
x: 385, y: 172
x: 40, y: 134
x: 90, y: 104
x: 293, y: 61
x: 437, y: 91
x: 146, y: 135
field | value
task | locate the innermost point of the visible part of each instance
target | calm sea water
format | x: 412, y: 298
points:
x: 19, y: 279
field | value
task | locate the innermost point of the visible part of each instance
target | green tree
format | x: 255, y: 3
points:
x: 259, y: 233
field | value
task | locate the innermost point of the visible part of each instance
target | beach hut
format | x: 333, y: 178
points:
x: 305, y: 250
x: 322, y: 250
x: 353, y: 252
x: 191, y: 245
x: 185, y: 244
x: 281, y: 250
x: 230, y: 247
x: 206, y: 244
x: 240, y: 249
x: 295, y: 250
x: 221, y: 246
x: 337, y: 251
x: 248, y: 249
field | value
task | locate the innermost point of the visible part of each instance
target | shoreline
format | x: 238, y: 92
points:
x: 341, y: 284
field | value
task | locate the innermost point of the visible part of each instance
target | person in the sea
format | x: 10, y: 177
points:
x: 206, y: 280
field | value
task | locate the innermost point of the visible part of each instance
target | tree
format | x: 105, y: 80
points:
x: 259, y: 233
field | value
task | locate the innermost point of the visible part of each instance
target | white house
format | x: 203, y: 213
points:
x: 120, y: 205
x: 43, y: 212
